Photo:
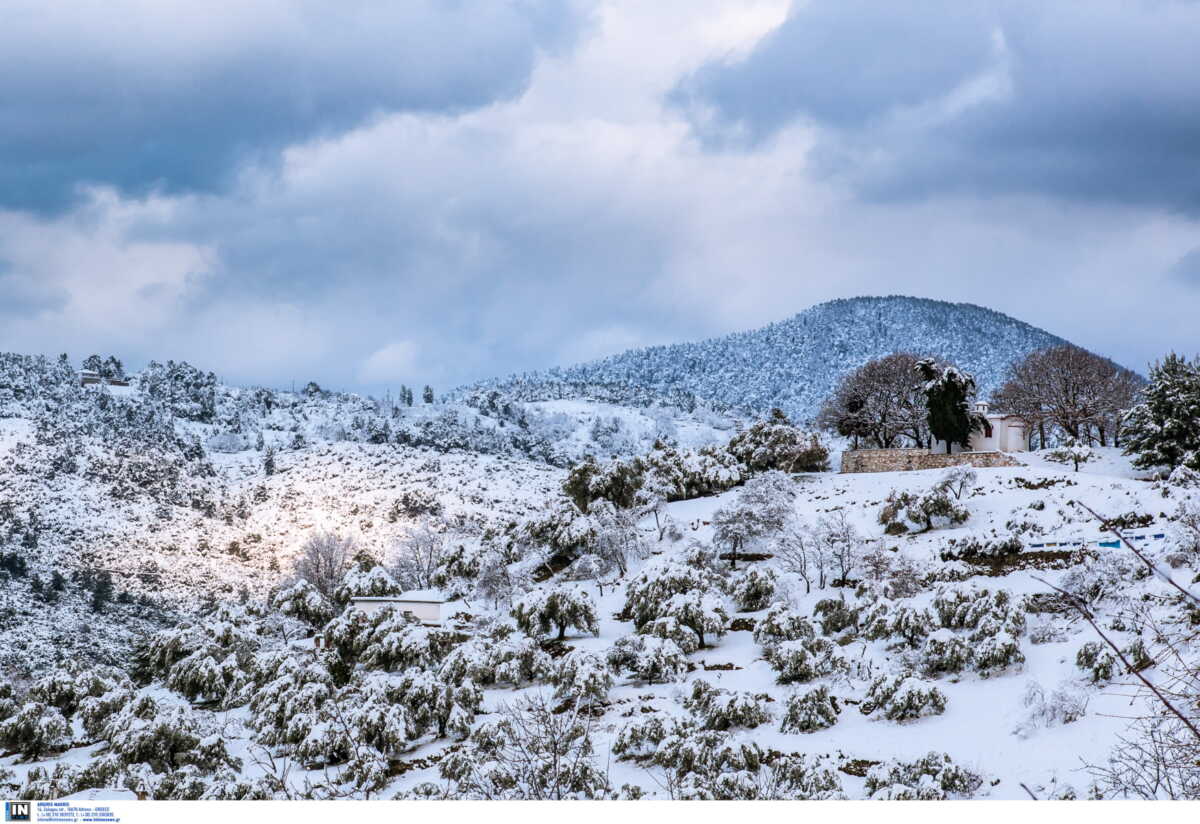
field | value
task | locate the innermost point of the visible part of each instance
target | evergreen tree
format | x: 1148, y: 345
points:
x: 948, y: 393
x: 269, y: 462
x: 112, y: 369
x: 427, y: 394
x: 93, y: 363
x: 1164, y: 428
x: 102, y: 591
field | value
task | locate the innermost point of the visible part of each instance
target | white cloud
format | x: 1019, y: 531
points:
x: 393, y: 363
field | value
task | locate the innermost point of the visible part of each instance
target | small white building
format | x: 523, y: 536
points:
x: 1001, y: 433
x: 429, y: 606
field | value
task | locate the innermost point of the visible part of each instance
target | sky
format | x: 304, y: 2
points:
x: 437, y: 191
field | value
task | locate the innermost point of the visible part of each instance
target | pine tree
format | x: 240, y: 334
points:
x: 269, y: 461
x: 947, y: 396
x: 113, y: 369
x: 102, y: 591
x: 1164, y: 429
x: 93, y: 363
x: 427, y: 394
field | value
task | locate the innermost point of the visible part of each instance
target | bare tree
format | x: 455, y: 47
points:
x: 879, y: 403
x: 323, y: 561
x: 761, y: 509
x: 417, y: 556
x: 531, y: 751
x: 798, y: 551
x: 841, y: 542
x: 1069, y: 392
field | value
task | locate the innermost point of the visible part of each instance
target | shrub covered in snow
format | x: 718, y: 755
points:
x: 934, y: 777
x: 1097, y: 660
x: 781, y: 623
x: 528, y: 752
x: 753, y: 589
x: 710, y: 764
x: 721, y: 709
x: 835, y: 615
x: 904, y: 625
x: 903, y: 698
x: 905, y: 510
x: 810, y: 711
x: 1065, y: 705
x: 1101, y: 577
x: 582, y: 677
x: 945, y: 652
x: 984, y: 612
x: 805, y: 659
x: 35, y: 730
x: 997, y: 653
x: 649, y: 659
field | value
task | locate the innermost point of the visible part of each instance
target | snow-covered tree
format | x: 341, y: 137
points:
x: 879, y: 403
x: 1072, y: 452
x: 35, y: 730
x: 904, y: 510
x: 648, y: 592
x: 948, y: 393
x: 582, y: 677
x: 1163, y: 429
x: 419, y: 556
x: 365, y: 581
x: 529, y: 752
x: 324, y: 560
x: 555, y: 607
x: 647, y: 658
x: 761, y: 509
x: 776, y: 444
x: 303, y: 601
x: 700, y: 611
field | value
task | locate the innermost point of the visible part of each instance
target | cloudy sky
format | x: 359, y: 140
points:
x: 436, y: 191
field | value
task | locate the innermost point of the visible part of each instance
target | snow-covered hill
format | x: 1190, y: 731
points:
x: 794, y: 364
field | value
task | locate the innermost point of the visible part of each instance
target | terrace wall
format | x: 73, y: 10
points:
x: 901, y: 460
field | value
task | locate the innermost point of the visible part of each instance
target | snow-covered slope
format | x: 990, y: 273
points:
x: 1032, y: 720
x: 794, y: 364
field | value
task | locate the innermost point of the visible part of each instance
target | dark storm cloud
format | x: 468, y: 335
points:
x: 145, y: 97
x: 1100, y: 101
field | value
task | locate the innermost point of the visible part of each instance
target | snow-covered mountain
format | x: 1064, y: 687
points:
x: 794, y: 364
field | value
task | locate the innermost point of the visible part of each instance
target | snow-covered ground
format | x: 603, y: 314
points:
x: 352, y: 488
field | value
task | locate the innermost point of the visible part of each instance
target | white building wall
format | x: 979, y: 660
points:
x: 423, y: 611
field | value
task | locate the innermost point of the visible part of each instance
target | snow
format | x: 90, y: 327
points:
x: 232, y: 534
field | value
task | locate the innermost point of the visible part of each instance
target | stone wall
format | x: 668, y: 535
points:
x: 900, y: 460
